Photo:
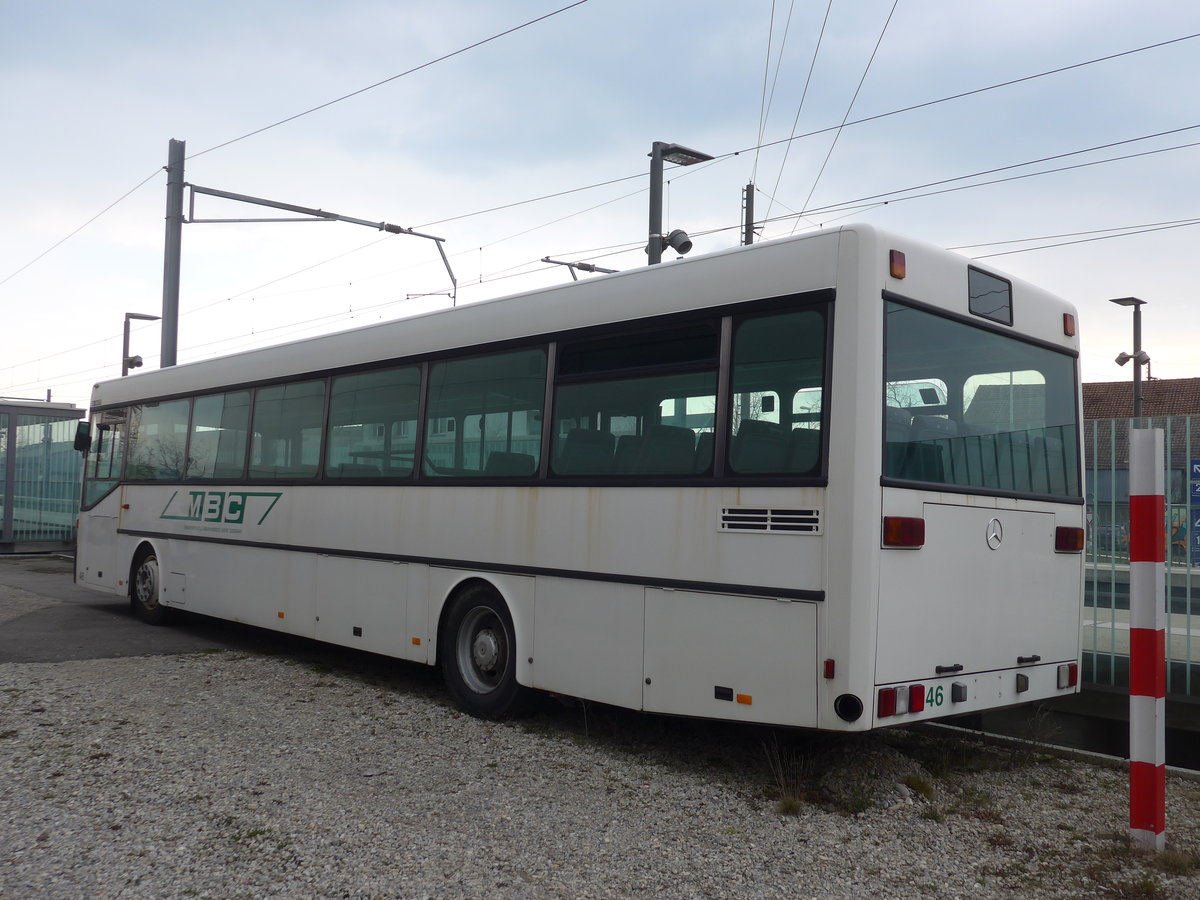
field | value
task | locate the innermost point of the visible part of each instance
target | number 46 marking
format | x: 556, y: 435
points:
x: 934, y: 696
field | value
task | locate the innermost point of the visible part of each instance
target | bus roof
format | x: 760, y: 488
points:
x: 780, y: 267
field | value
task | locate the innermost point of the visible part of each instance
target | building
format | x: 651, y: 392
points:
x: 39, y: 475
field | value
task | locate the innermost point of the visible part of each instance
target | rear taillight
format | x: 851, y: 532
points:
x: 887, y: 703
x: 1068, y: 675
x: 903, y: 531
x: 916, y: 698
x: 1068, y: 539
x: 896, y: 701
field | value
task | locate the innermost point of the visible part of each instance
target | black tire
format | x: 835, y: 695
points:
x: 144, y: 589
x: 478, y: 655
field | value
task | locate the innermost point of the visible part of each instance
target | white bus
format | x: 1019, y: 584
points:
x: 830, y: 481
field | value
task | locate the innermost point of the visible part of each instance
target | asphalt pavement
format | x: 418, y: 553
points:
x: 63, y: 621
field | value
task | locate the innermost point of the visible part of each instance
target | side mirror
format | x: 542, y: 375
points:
x: 83, y: 437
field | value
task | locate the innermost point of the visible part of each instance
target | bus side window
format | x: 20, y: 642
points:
x: 372, y: 424
x: 102, y: 468
x: 777, y: 357
x: 483, y: 407
x: 220, y: 423
x: 287, y: 429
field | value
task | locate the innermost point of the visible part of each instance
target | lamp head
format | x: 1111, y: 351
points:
x: 679, y: 241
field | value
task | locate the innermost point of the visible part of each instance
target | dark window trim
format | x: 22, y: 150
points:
x: 548, y: 342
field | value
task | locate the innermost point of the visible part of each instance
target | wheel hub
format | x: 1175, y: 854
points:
x: 485, y: 650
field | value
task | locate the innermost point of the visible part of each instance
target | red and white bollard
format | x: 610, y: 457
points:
x: 1147, y: 640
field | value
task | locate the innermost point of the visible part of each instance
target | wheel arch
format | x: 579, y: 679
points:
x: 516, y: 592
x: 144, y: 547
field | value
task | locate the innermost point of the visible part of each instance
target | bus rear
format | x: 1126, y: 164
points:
x: 981, y: 519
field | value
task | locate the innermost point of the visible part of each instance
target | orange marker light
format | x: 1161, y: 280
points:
x: 745, y: 699
x: 416, y: 642
x: 1068, y: 325
x: 280, y: 614
x: 897, y: 266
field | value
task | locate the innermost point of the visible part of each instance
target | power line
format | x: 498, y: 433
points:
x: 838, y: 133
x: 803, y: 96
x: 765, y: 109
x: 847, y: 203
x: 292, y: 119
x: 1168, y: 226
x: 798, y: 137
x: 1151, y: 226
x: 62, y: 241
x: 370, y: 87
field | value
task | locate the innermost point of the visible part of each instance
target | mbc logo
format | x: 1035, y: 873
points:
x: 226, y: 507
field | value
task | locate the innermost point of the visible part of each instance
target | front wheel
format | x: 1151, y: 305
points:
x: 478, y: 655
x: 144, y: 590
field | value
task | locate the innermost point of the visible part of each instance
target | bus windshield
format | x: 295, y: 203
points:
x: 977, y: 411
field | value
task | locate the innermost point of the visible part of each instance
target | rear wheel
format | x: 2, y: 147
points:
x: 478, y: 654
x: 144, y: 590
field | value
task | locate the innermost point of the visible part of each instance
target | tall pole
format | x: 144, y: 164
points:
x: 654, y: 248
x: 171, y: 254
x: 1137, y: 364
x: 125, y: 350
x: 1147, y: 639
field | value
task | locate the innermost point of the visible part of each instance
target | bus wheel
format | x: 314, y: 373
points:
x: 478, y: 654
x: 144, y: 590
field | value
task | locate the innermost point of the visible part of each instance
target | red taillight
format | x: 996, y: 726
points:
x: 903, y: 531
x: 1068, y: 675
x: 887, y: 702
x: 916, y: 698
x: 1068, y: 539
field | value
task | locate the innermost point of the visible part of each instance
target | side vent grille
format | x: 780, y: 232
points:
x: 776, y: 521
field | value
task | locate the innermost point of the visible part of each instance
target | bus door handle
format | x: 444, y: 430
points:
x: 1026, y: 660
x: 949, y: 670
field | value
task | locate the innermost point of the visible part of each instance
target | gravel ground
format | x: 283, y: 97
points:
x: 307, y: 773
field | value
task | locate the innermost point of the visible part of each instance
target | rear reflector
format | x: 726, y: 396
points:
x: 887, y: 702
x: 1068, y: 539
x: 1068, y: 675
x: 903, y: 531
x: 916, y: 698
x: 896, y: 701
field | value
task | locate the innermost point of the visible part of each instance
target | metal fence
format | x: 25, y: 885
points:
x: 1106, y: 585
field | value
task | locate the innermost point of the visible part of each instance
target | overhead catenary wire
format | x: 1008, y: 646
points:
x: 293, y: 118
x: 767, y: 102
x: 799, y: 137
x: 859, y: 121
x: 371, y: 87
x: 838, y: 133
x: 591, y: 253
x: 799, y: 109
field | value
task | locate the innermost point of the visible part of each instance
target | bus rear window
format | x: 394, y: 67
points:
x: 977, y: 411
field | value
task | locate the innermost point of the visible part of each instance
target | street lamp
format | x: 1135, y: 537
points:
x: 680, y: 156
x: 1139, y: 356
x: 132, y: 362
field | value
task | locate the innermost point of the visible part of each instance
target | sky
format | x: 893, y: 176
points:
x: 366, y: 108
